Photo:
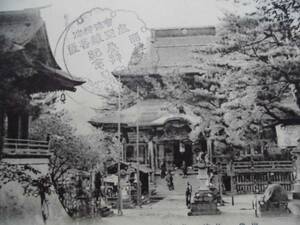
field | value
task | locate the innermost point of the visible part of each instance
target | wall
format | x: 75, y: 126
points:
x: 287, y: 136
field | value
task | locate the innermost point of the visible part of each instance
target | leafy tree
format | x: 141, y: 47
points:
x: 267, y: 43
x: 32, y: 181
x: 70, y: 150
x: 248, y: 80
x: 261, y: 49
x: 27, y: 176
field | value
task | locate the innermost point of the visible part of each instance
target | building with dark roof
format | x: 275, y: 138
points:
x: 170, y: 51
x: 173, y: 52
x: 29, y: 66
x: 164, y: 126
x: 26, y: 31
x: 160, y: 122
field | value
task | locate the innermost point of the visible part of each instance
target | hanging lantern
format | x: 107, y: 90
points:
x: 63, y: 98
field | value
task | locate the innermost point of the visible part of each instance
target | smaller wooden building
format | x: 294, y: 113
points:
x: 163, y: 133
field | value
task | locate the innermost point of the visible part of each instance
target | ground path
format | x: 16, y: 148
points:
x: 172, y: 211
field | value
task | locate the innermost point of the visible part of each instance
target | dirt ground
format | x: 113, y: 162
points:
x: 172, y: 211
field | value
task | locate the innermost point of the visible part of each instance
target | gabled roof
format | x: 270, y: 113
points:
x: 154, y: 112
x: 24, y: 30
x: 59, y: 79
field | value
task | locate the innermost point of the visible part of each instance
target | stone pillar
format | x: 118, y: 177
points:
x: 203, y: 179
x: 296, y: 189
x: 209, y: 150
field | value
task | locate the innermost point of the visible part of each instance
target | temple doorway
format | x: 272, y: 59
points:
x: 182, y: 152
x: 169, y: 151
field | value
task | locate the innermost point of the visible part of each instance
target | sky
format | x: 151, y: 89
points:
x: 154, y: 13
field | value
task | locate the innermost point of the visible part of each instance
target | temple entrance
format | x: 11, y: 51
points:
x: 183, y: 153
x: 176, y: 153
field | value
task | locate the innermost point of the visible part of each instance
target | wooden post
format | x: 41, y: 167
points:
x: 120, y: 203
x: 232, y: 188
x: 231, y: 174
x: 220, y: 182
x: 137, y: 155
x: 1, y: 131
x: 155, y: 158
x: 151, y: 149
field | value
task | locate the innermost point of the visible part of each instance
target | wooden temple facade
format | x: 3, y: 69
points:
x: 171, y: 53
x: 163, y: 133
x: 164, y: 127
x: 27, y: 60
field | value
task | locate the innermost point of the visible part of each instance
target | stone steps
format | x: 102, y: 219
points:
x: 180, y: 183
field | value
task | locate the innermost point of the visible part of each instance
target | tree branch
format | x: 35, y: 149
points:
x: 273, y: 115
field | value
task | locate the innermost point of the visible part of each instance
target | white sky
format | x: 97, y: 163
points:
x: 155, y: 13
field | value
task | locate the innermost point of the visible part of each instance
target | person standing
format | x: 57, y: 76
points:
x: 169, y: 179
x: 188, y: 194
x: 184, y: 168
x: 163, y: 169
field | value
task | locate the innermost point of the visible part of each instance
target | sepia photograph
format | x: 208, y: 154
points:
x: 149, y: 112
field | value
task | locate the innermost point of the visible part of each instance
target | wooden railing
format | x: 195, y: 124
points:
x: 24, y: 147
x: 255, y: 176
x: 261, y: 166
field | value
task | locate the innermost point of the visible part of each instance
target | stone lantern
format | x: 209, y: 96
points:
x: 204, y: 201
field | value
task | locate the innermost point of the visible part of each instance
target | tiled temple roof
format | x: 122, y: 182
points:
x: 25, y: 31
x: 171, y: 49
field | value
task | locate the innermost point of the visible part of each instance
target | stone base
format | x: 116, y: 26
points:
x: 203, y: 213
x: 204, y: 204
x: 203, y: 208
x: 126, y: 204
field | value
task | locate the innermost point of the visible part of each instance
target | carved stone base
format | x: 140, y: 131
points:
x: 204, y: 208
x: 204, y: 204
